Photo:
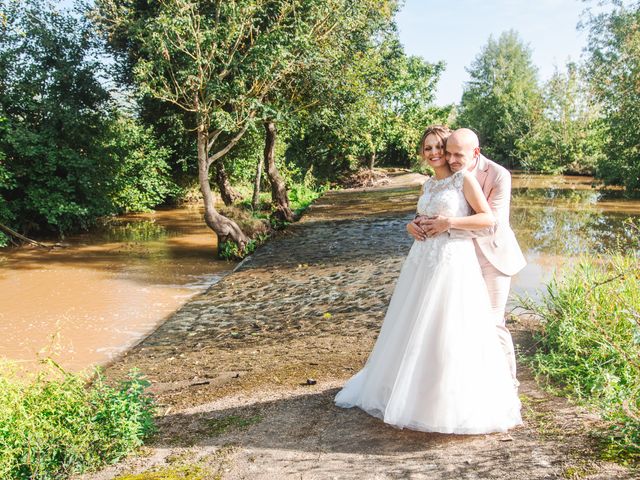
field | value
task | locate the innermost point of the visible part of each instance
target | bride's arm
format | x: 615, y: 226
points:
x: 483, y: 219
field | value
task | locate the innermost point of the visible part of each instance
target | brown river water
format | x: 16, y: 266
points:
x: 106, y: 290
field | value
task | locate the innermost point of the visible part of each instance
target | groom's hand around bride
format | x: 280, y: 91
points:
x: 433, y: 226
x: 415, y: 230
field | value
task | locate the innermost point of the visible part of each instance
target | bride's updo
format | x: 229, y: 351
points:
x: 440, y: 131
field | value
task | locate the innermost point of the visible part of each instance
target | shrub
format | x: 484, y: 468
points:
x: 54, y: 424
x: 590, y: 343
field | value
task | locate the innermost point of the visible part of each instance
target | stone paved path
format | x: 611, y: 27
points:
x: 230, y: 369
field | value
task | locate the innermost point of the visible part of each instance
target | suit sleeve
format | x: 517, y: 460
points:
x: 500, y: 197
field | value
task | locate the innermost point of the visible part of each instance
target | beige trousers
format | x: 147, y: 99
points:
x: 498, y: 285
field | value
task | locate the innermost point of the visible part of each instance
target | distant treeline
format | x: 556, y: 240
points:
x: 125, y: 106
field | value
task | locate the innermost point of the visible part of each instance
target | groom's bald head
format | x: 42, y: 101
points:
x: 463, y: 148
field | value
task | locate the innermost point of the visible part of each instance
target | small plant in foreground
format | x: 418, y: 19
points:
x: 56, y: 424
x: 590, y: 344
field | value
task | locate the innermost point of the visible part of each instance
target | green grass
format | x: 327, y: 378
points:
x: 300, y: 197
x: 589, y: 347
x: 187, y: 472
x: 56, y: 424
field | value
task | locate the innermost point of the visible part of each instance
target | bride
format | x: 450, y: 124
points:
x: 437, y: 365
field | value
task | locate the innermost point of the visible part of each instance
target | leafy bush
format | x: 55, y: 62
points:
x: 56, y: 425
x: 590, y: 343
x: 229, y: 250
x: 140, y: 178
x: 301, y: 196
x: 67, y: 155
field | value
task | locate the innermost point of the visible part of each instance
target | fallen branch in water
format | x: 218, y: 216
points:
x: 19, y: 236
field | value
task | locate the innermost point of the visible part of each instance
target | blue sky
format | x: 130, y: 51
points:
x: 456, y: 31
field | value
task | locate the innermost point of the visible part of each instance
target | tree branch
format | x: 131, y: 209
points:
x: 229, y: 146
x: 17, y: 235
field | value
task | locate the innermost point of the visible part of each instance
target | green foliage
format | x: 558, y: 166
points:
x: 301, y: 196
x: 66, y: 157
x: 54, y: 109
x: 139, y: 179
x: 6, y: 182
x: 502, y: 101
x: 375, y: 107
x: 614, y: 68
x: 569, y: 137
x: 229, y: 250
x: 590, y: 343
x: 55, y: 425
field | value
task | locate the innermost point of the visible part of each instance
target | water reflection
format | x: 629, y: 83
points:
x: 559, y: 218
x: 123, y: 229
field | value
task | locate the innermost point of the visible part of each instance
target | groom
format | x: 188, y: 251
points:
x: 497, y: 249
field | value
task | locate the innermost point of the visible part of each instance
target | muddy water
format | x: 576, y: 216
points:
x: 558, y: 218
x: 87, y: 302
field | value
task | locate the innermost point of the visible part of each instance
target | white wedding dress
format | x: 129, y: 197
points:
x: 437, y: 365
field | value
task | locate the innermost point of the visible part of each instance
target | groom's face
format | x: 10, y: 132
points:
x: 460, y: 155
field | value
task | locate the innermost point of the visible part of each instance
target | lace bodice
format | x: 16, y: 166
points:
x: 444, y: 197
x: 439, y: 197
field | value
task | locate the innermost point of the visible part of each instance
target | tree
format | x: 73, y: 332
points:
x: 59, y: 135
x: 502, y: 101
x: 219, y: 61
x: 55, y: 112
x: 374, y: 108
x: 569, y: 137
x: 614, y: 69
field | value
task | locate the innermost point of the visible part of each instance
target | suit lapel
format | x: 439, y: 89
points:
x: 482, y: 172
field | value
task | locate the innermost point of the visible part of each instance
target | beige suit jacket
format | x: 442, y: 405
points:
x: 498, y: 244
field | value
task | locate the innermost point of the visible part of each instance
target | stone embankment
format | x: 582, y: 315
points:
x: 245, y: 373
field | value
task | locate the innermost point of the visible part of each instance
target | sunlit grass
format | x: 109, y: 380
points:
x: 590, y: 344
x: 54, y: 423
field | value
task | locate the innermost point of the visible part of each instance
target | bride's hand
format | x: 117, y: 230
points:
x: 415, y: 231
x: 433, y: 226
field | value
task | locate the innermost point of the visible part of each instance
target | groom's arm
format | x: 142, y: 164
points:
x: 499, y: 200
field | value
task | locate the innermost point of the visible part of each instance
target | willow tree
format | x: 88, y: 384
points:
x: 219, y: 61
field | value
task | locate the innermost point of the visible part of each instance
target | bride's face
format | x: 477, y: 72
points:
x: 433, y: 151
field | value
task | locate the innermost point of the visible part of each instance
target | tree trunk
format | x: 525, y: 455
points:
x: 256, y: 186
x: 225, y: 228
x: 228, y: 194
x: 13, y: 233
x: 372, y: 160
x: 279, y: 194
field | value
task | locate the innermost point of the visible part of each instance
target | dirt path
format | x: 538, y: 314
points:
x: 230, y: 369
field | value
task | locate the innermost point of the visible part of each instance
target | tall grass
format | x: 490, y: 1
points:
x: 590, y: 343
x: 56, y: 424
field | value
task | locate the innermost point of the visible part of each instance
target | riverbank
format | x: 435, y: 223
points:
x: 245, y: 373
x: 108, y: 288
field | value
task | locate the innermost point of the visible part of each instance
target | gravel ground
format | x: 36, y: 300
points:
x: 245, y: 373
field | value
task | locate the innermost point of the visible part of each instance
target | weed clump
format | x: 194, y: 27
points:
x: 56, y: 423
x: 590, y: 344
